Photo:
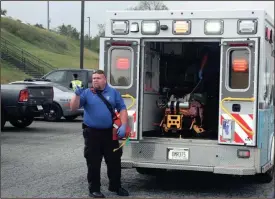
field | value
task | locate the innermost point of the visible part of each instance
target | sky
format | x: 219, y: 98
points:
x: 69, y: 12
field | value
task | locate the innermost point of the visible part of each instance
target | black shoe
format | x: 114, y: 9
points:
x: 121, y: 191
x: 96, y: 194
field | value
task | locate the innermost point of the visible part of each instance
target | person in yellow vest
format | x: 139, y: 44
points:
x: 74, y: 83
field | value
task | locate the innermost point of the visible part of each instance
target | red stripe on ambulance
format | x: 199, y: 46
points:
x: 237, y: 138
x: 244, y: 123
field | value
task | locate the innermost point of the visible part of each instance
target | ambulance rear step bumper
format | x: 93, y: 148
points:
x: 216, y: 169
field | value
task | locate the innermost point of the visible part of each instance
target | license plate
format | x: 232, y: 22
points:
x: 39, y: 107
x: 178, y: 154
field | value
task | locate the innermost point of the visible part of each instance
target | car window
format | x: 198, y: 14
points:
x: 57, y: 76
x: 81, y: 76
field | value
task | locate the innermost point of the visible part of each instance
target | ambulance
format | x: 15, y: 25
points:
x: 199, y: 87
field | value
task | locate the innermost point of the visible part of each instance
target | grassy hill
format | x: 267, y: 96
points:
x: 55, y: 49
x: 9, y: 73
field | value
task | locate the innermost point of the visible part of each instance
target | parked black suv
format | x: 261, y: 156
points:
x: 65, y: 76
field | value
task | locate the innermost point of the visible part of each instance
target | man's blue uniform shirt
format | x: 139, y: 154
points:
x: 96, y: 113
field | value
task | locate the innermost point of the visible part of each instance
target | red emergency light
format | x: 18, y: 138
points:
x: 240, y: 65
x: 117, y: 43
x: 122, y: 63
x: 238, y: 44
x: 266, y: 33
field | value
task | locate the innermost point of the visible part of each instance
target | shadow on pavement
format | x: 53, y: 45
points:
x: 199, y: 182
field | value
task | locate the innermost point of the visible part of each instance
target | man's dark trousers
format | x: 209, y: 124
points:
x: 99, y: 143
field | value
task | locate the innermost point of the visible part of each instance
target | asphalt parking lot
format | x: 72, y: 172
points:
x: 46, y: 160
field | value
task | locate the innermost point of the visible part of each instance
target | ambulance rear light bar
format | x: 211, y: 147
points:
x: 121, y: 43
x: 238, y: 44
x: 213, y: 27
x: 182, y: 27
x: 150, y: 27
x: 120, y: 27
x: 247, y: 26
x: 134, y: 27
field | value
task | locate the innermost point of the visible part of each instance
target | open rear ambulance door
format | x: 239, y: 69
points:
x: 238, y: 92
x: 119, y: 58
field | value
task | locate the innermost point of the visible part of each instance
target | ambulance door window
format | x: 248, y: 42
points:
x: 121, y: 67
x: 239, y: 69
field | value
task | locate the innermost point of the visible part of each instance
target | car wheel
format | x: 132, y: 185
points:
x: 22, y: 123
x: 70, y: 118
x: 54, y: 114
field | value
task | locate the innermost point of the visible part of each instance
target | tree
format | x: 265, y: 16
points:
x: 3, y: 12
x: 63, y: 30
x: 69, y: 31
x: 39, y: 26
x: 149, y: 5
x: 101, y: 30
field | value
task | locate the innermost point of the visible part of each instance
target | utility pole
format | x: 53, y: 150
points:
x: 82, y: 34
x: 89, y: 30
x: 48, y: 14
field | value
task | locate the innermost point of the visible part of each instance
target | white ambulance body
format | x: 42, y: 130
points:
x: 151, y: 55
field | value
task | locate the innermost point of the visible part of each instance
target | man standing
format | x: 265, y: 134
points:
x: 97, y: 133
x: 75, y: 83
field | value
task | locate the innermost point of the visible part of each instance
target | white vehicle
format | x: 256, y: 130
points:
x: 223, y: 123
x: 61, y: 102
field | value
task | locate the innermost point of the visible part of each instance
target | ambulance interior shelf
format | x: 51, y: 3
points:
x: 183, y: 105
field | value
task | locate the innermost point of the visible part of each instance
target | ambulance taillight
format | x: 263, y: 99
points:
x: 243, y: 153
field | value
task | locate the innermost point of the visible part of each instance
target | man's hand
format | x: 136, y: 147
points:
x: 78, y: 90
x: 121, y: 131
x: 75, y: 102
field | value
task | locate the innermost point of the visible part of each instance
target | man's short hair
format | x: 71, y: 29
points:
x: 100, y: 72
x: 75, y: 75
